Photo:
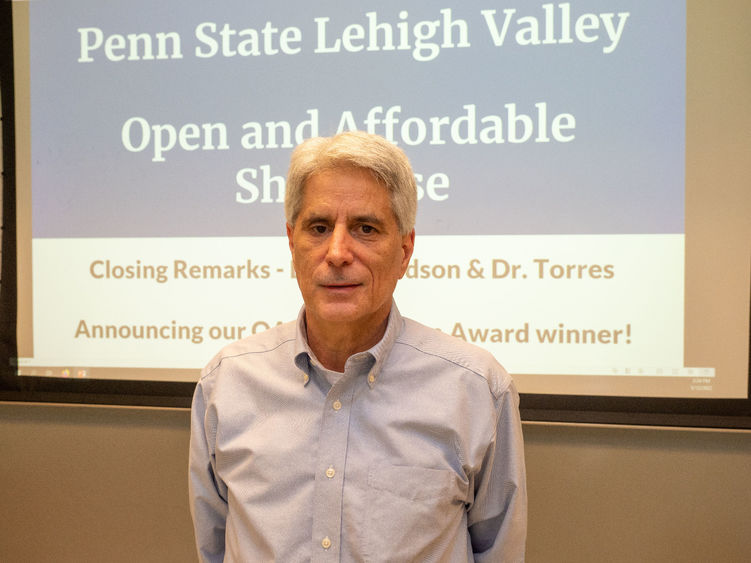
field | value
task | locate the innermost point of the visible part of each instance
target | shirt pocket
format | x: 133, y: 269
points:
x: 412, y: 511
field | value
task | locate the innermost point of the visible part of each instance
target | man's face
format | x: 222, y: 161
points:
x: 347, y: 249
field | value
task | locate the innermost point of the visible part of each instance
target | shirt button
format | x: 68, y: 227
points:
x: 337, y: 405
x: 330, y: 472
x: 371, y: 378
x: 326, y: 543
x: 305, y: 378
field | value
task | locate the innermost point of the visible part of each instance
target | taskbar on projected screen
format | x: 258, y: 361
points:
x: 645, y: 382
x: 642, y: 371
x: 82, y: 372
x: 613, y: 381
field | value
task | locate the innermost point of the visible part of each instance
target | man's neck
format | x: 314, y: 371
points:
x: 334, y: 343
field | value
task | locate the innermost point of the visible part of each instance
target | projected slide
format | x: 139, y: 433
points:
x: 547, y: 141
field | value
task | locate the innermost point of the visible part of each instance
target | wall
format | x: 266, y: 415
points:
x: 109, y: 484
x: 638, y: 495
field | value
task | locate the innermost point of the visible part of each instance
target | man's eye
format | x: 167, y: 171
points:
x: 319, y: 229
x: 367, y: 229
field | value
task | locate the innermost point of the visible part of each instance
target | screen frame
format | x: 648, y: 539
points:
x: 714, y: 413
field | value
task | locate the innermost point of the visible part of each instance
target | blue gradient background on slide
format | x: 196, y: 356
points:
x: 623, y: 173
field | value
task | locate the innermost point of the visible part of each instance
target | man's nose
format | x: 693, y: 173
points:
x: 339, y: 252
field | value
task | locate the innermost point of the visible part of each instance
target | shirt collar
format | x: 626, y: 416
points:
x: 379, y: 352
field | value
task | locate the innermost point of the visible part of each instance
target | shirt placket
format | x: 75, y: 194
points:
x: 329, y: 480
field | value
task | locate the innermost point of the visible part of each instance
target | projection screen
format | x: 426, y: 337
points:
x: 582, y: 172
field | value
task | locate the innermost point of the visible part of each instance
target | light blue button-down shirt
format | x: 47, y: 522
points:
x: 414, y: 454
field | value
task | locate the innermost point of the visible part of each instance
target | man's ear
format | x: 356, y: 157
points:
x: 289, y: 238
x: 408, y: 246
x: 290, y: 241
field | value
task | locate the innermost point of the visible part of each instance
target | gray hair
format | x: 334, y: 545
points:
x: 386, y: 162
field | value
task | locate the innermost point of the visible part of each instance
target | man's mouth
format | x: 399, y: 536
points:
x: 340, y: 285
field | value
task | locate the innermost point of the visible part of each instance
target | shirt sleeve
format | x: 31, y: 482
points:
x: 497, y: 519
x: 207, y: 494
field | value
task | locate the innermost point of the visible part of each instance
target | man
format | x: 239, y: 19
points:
x: 354, y: 434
